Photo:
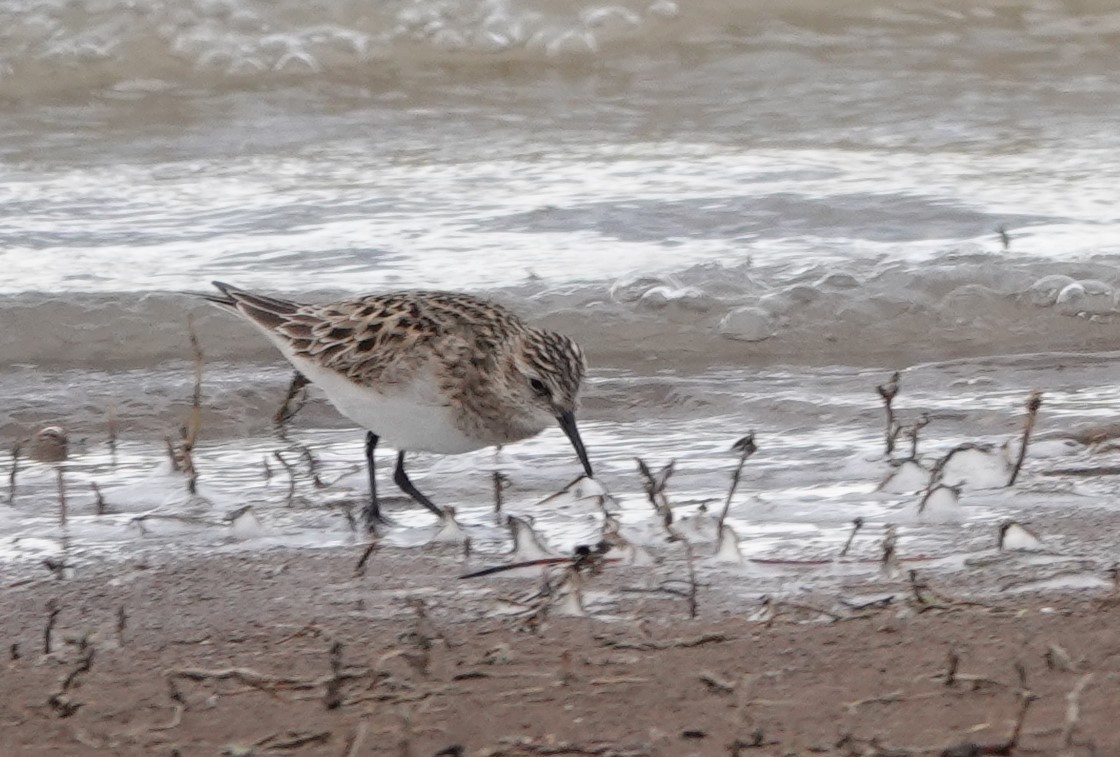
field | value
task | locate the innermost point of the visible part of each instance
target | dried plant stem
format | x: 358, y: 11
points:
x: 122, y: 623
x: 360, y: 568
x: 61, y: 497
x: 1073, y: 709
x: 913, y: 432
x: 16, y: 449
x: 111, y: 425
x: 745, y: 447
x: 100, y: 500
x: 1034, y: 402
x: 501, y: 481
x: 857, y: 524
x: 172, y: 454
x: 888, y: 392
x: 52, y: 617
x: 291, y: 476
x: 195, y: 422
x: 293, y: 402
x: 332, y: 698
x: 183, y: 458
x: 654, y: 486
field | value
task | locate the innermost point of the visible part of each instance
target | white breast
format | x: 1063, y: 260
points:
x: 412, y: 416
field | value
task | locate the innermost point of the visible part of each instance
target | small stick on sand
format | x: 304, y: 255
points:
x: 951, y: 668
x: 970, y: 749
x: 59, y: 701
x: 61, y: 497
x: 100, y: 500
x: 293, y: 402
x: 745, y: 447
x: 52, y: 617
x: 360, y: 568
x: 122, y: 622
x: 16, y: 448
x: 332, y: 698
x: 1034, y: 402
x: 501, y: 482
x: 888, y: 392
x: 857, y: 524
x: 1073, y: 709
x: 354, y: 743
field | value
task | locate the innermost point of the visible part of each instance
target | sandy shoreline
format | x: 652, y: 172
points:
x: 644, y: 681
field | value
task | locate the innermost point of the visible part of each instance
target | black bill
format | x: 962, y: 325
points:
x: 568, y: 423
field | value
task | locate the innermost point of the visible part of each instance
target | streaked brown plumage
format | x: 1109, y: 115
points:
x: 436, y: 371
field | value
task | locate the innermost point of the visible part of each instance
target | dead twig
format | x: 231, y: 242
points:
x: 332, y: 697
x: 972, y: 749
x: 524, y: 745
x: 1034, y: 402
x: 60, y: 701
x: 122, y: 623
x: 291, y: 477
x: 360, y: 568
x: 951, y: 669
x: 52, y: 617
x: 654, y: 487
x: 293, y: 739
x: 889, y: 556
x: 99, y: 505
x: 745, y: 447
x: 888, y: 392
x: 194, y: 422
x: 913, y: 430
x: 717, y: 684
x: 501, y: 483
x: 294, y: 400
x: 355, y: 742
x: 679, y: 643
x: 857, y: 524
x: 61, y: 496
x: 172, y: 454
x: 111, y: 426
x: 1073, y: 709
x: 256, y: 680
x: 16, y: 449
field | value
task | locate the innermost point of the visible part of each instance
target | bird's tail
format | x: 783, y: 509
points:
x: 265, y: 311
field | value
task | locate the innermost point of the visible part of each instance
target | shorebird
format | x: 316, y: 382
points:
x: 425, y: 371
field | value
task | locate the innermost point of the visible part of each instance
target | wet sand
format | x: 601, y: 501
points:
x: 641, y: 679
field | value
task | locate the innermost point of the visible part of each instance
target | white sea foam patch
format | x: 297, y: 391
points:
x: 794, y: 511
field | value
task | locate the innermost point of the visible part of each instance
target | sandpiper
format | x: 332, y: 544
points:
x: 425, y: 371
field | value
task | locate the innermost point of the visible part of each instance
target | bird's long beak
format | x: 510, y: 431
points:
x: 568, y: 423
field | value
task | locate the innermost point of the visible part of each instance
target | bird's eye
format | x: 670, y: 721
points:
x: 539, y: 387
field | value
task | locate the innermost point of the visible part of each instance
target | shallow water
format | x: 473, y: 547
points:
x: 747, y: 216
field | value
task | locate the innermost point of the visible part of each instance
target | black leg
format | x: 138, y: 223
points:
x: 401, y: 479
x: 372, y: 511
